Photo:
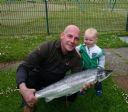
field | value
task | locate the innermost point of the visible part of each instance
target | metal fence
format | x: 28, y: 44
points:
x: 28, y: 17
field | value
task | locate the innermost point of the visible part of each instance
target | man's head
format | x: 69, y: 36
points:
x: 69, y: 38
x: 90, y: 37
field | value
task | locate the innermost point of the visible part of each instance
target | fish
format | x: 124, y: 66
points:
x: 72, y: 83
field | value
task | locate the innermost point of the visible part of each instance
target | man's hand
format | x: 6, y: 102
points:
x: 28, y: 95
x: 86, y: 86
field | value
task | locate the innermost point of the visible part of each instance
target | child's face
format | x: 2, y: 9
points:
x: 89, y: 40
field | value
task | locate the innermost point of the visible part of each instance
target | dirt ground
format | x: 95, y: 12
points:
x: 9, y: 65
x: 122, y: 82
x: 116, y: 60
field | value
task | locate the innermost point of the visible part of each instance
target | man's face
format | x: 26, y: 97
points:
x: 69, y: 40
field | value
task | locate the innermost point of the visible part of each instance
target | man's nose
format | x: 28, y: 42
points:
x: 73, y: 40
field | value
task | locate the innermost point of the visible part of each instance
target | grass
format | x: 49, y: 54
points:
x: 111, y: 41
x: 9, y: 97
x: 18, y: 47
x: 113, y: 99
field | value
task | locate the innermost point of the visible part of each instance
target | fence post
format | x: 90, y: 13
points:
x: 46, y: 13
x: 127, y: 23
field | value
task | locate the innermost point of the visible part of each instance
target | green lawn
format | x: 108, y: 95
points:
x: 18, y: 47
x: 113, y: 99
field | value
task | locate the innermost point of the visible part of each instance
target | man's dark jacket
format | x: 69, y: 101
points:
x: 46, y: 65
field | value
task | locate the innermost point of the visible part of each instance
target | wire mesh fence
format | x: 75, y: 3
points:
x: 21, y: 17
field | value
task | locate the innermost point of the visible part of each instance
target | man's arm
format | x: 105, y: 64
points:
x: 32, y: 61
x: 22, y: 75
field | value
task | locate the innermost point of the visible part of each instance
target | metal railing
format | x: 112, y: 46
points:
x: 28, y: 17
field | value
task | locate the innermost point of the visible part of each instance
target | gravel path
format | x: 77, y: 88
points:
x: 117, y: 60
x: 9, y: 65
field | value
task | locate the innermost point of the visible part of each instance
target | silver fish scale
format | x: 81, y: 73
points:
x: 70, y: 84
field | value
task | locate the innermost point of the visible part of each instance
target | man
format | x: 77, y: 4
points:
x: 48, y: 64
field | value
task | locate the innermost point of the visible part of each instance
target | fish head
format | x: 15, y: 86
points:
x: 102, y: 75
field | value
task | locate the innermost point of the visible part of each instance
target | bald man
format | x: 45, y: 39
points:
x: 48, y: 64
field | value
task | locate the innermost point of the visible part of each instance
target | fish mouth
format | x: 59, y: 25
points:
x: 104, y: 75
x: 108, y: 71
